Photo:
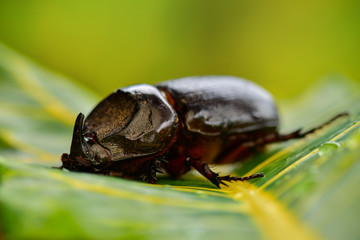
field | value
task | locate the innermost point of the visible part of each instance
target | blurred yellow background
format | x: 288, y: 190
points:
x: 283, y: 45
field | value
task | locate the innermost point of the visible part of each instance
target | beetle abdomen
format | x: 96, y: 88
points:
x: 214, y: 105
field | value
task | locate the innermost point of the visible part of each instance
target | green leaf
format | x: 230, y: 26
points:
x: 309, y: 190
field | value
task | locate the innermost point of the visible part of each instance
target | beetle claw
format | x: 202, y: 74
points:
x: 222, y: 182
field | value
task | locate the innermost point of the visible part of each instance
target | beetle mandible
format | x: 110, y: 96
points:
x: 174, y: 126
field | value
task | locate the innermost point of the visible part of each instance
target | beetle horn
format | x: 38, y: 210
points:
x: 78, y: 145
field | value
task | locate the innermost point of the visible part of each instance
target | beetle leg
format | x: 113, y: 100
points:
x: 203, y: 169
x: 155, y: 167
x: 213, y: 177
x: 299, y: 134
x: 162, y: 159
x: 276, y: 137
x: 151, y: 176
x: 229, y: 178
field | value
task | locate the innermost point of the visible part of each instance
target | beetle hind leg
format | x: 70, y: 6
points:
x: 229, y: 178
x: 299, y: 134
x: 213, y: 177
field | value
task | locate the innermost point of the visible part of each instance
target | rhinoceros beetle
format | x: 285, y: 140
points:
x: 140, y: 130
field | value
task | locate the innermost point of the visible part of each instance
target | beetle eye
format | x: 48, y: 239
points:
x: 90, y: 139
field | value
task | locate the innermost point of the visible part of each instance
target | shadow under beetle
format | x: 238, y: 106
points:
x: 140, y: 130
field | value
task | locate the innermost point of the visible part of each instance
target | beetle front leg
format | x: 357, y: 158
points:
x: 155, y: 167
x: 213, y: 177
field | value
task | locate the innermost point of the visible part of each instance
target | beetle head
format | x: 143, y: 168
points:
x: 86, y: 154
x: 131, y: 122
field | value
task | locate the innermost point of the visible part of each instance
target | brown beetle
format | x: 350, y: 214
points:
x: 175, y: 125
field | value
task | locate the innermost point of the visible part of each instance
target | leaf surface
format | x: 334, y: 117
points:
x: 309, y: 190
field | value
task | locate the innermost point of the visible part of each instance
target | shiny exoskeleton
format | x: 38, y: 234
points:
x: 140, y: 130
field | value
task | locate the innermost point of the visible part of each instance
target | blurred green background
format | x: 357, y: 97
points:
x: 283, y: 45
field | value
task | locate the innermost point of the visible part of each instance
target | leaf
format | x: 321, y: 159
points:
x: 308, y: 192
